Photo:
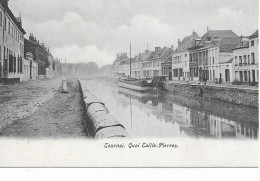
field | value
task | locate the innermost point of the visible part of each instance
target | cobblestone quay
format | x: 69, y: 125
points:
x: 39, y: 109
x: 240, y: 96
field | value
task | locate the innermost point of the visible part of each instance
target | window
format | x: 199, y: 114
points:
x: 186, y: 55
x: 0, y: 56
x: 14, y: 61
x: 252, y: 43
x: 253, y: 58
x: 5, y: 59
x: 245, y: 76
x: 5, y: 23
x: 196, y: 72
x: 9, y: 27
x: 236, y: 60
x: 180, y: 72
x: 245, y: 62
x: 175, y: 72
x: 240, y: 59
x: 1, y: 18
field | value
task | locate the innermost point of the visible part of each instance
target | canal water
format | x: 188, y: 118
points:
x: 163, y: 114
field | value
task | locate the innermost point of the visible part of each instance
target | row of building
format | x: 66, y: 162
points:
x: 219, y: 56
x: 22, y: 59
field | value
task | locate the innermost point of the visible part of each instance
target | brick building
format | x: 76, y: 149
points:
x: 40, y: 54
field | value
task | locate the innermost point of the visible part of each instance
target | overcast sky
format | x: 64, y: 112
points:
x: 95, y: 30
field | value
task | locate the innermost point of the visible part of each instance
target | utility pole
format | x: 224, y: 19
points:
x: 130, y: 61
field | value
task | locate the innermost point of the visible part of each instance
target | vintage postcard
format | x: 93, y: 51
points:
x: 129, y: 83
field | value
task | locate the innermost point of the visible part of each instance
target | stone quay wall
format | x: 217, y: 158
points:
x: 244, y: 97
x: 98, y: 121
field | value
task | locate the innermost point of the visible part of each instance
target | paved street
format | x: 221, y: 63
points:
x: 39, y: 109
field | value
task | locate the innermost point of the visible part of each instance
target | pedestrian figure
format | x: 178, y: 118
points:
x: 205, y: 81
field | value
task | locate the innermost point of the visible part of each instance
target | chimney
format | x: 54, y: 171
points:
x: 172, y: 47
x: 5, y: 2
x: 157, y: 49
x: 31, y: 37
x: 179, y: 42
x: 19, y: 19
x: 193, y: 34
x: 208, y: 29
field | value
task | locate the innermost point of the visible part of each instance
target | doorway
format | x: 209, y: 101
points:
x: 227, y: 75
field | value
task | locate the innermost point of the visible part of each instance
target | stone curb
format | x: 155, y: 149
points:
x: 98, y: 121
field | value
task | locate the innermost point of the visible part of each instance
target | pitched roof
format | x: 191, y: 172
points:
x: 151, y: 56
x: 227, y: 44
x: 167, y: 54
x: 229, y: 61
x: 187, y: 42
x: 168, y: 59
x: 143, y: 56
x: 163, y: 52
x: 14, y: 19
x: 225, y: 39
x: 122, y: 58
x: 219, y: 34
x: 254, y: 35
x: 156, y: 53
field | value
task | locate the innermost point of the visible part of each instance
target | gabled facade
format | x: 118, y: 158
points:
x: 148, y: 66
x: 245, y: 61
x: 166, y: 64
x: 156, y: 61
x: 121, y: 65
x: 215, y: 57
x: 138, y: 63
x: 180, y: 57
x: 152, y: 65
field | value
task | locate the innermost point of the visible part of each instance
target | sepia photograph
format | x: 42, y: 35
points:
x: 129, y: 83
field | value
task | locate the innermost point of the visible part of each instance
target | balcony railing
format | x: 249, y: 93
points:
x: 193, y: 63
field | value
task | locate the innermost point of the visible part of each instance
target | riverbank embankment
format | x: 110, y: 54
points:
x: 98, y: 121
x: 239, y: 96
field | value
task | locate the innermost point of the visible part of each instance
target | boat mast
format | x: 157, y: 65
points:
x: 130, y: 60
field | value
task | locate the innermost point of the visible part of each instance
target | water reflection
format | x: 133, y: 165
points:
x: 162, y: 114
